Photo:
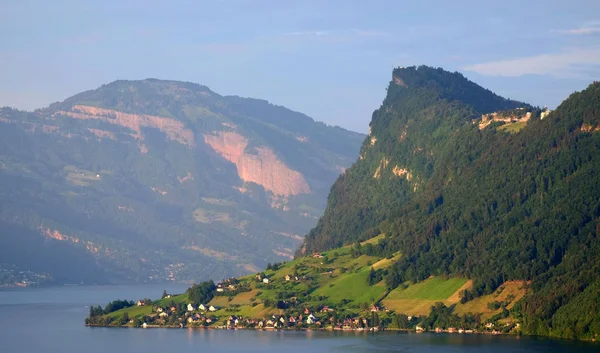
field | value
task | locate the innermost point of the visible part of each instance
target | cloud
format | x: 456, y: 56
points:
x: 587, y: 28
x: 348, y: 35
x: 568, y: 63
x: 579, y: 31
x: 307, y: 33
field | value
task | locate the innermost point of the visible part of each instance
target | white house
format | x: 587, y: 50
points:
x: 190, y: 307
x: 265, y: 280
x: 311, y: 319
x: 202, y: 307
x: 220, y: 290
x: 163, y: 314
x: 212, y: 308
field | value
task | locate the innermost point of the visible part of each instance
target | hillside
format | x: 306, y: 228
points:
x: 160, y: 180
x: 338, y: 288
x: 490, y: 204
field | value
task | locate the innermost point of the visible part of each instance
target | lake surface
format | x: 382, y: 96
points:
x: 51, y: 320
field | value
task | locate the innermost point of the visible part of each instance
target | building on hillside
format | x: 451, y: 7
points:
x: 265, y: 280
x: 190, y: 307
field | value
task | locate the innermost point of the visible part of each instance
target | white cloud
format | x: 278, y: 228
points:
x: 308, y: 33
x: 568, y: 63
x: 347, y: 35
x: 587, y: 28
x: 579, y: 31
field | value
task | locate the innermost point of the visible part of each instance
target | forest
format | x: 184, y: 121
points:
x: 485, y: 204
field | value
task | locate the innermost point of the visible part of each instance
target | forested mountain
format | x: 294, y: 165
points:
x: 492, y: 203
x: 152, y: 180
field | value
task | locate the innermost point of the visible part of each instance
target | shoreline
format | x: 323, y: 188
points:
x: 494, y: 333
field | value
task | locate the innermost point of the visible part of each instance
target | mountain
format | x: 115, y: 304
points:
x: 152, y: 180
x: 466, y: 184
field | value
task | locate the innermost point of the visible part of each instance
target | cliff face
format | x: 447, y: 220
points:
x: 262, y: 168
x: 155, y: 170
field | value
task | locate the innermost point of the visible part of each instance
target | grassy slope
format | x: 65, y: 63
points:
x: 329, y: 285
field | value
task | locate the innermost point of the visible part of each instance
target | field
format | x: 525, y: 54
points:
x: 510, y: 292
x: 80, y: 177
x: 418, y: 298
x: 513, y: 127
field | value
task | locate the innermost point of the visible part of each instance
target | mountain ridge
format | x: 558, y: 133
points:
x: 146, y: 149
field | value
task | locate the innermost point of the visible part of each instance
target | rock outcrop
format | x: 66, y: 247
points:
x: 263, y: 168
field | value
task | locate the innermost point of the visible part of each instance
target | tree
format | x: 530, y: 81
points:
x: 164, y: 294
x: 371, y: 277
x: 125, y: 318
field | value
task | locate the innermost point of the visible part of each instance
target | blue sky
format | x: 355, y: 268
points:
x: 331, y: 60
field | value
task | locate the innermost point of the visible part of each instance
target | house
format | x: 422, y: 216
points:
x: 311, y: 319
x: 163, y: 314
x: 258, y: 277
x: 140, y: 303
x: 287, y: 278
x: 292, y: 320
x: 212, y: 308
x: 419, y: 328
x: 190, y: 319
x: 326, y: 309
x: 451, y: 329
x: 220, y: 290
x: 317, y: 255
x: 144, y: 325
x: 306, y: 311
x: 270, y: 323
x: 374, y: 308
x: 159, y: 309
x: 208, y: 320
x: 173, y: 309
x: 202, y: 307
x: 265, y: 280
x: 190, y: 307
x: 489, y: 325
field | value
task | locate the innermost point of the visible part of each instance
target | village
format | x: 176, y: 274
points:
x: 337, y: 291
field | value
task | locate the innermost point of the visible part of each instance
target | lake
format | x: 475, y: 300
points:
x: 51, y: 320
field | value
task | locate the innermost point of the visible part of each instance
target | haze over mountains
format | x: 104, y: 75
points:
x: 152, y: 180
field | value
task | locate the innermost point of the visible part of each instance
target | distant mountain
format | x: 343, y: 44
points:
x: 464, y: 183
x: 152, y: 180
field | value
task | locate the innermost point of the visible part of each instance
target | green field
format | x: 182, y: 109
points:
x: 434, y: 288
x: 351, y: 286
x: 513, y: 127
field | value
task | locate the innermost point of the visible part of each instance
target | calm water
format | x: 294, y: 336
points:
x: 51, y: 320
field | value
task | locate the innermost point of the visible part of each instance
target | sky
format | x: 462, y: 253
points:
x: 329, y: 59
